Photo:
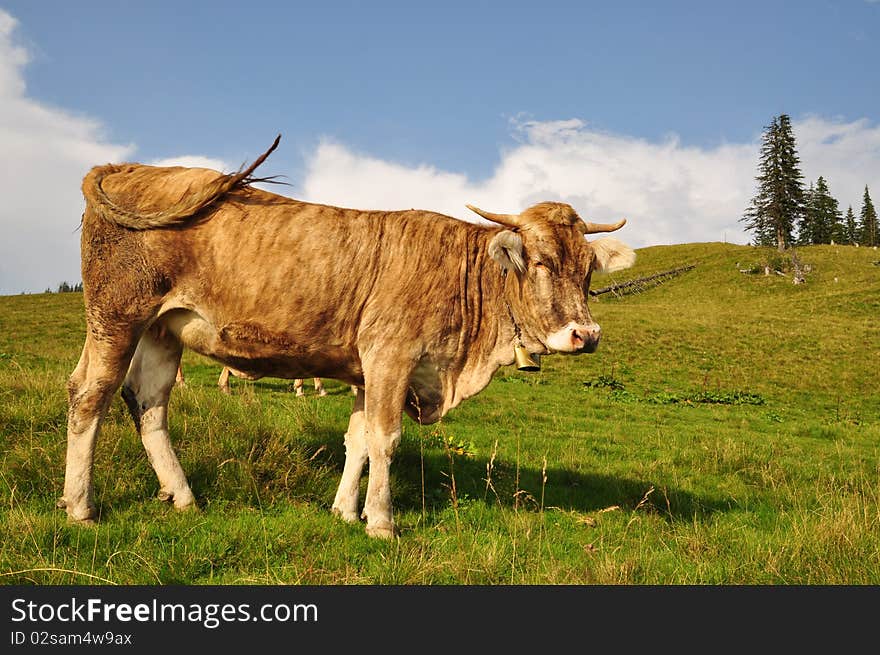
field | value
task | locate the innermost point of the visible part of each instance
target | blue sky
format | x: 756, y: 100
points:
x: 416, y: 104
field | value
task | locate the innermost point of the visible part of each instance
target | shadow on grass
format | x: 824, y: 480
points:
x: 261, y: 472
x: 311, y: 473
x: 564, y: 489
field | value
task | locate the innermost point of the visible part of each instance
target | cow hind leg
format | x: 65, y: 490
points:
x: 146, y: 390
x: 90, y: 390
x: 319, y: 387
x: 223, y: 381
x: 345, y: 504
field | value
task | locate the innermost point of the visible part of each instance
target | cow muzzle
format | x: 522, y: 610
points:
x: 575, y: 338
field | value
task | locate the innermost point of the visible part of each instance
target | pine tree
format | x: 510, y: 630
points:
x: 827, y: 226
x: 779, y: 201
x: 850, y: 228
x: 868, y: 235
x: 821, y: 221
x: 807, y: 222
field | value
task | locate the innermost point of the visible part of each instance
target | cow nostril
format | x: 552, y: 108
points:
x: 585, y: 336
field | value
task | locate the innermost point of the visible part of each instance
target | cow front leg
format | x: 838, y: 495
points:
x: 345, y: 504
x: 385, y: 395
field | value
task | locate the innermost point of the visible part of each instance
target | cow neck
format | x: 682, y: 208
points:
x: 517, y: 333
x: 523, y: 359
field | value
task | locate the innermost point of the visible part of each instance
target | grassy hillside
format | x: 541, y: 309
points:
x: 727, y: 431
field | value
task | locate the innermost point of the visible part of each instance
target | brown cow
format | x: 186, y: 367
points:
x: 415, y: 308
x: 223, y: 382
x: 298, y: 383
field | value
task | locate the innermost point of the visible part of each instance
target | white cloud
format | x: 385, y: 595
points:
x: 44, y: 152
x: 669, y: 192
x: 195, y: 161
x: 846, y: 154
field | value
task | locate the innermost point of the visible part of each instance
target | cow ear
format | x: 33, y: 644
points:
x: 506, y: 249
x: 612, y: 255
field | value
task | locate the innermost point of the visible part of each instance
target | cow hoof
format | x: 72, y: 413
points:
x: 347, y: 516
x: 89, y: 516
x: 84, y: 522
x: 61, y: 503
x: 383, y: 531
x: 185, y: 501
x: 322, y: 393
x: 182, y: 501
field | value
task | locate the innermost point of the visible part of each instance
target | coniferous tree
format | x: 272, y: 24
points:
x: 67, y: 287
x: 754, y: 216
x: 808, y: 217
x: 779, y: 202
x: 828, y: 214
x: 868, y: 235
x: 756, y: 222
x: 850, y: 228
x: 821, y: 221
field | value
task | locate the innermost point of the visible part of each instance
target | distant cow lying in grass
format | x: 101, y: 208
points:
x: 416, y: 309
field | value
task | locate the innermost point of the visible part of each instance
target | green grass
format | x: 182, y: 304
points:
x: 725, y: 432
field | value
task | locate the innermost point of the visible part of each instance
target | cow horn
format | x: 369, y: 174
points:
x: 510, y: 220
x: 593, y: 228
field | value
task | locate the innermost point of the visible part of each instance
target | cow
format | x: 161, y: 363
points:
x: 415, y: 308
x: 223, y: 382
x: 298, y: 383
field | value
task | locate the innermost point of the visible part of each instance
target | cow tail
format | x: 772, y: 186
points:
x: 177, y: 214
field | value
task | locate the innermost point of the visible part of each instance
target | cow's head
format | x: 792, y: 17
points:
x: 550, y: 264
